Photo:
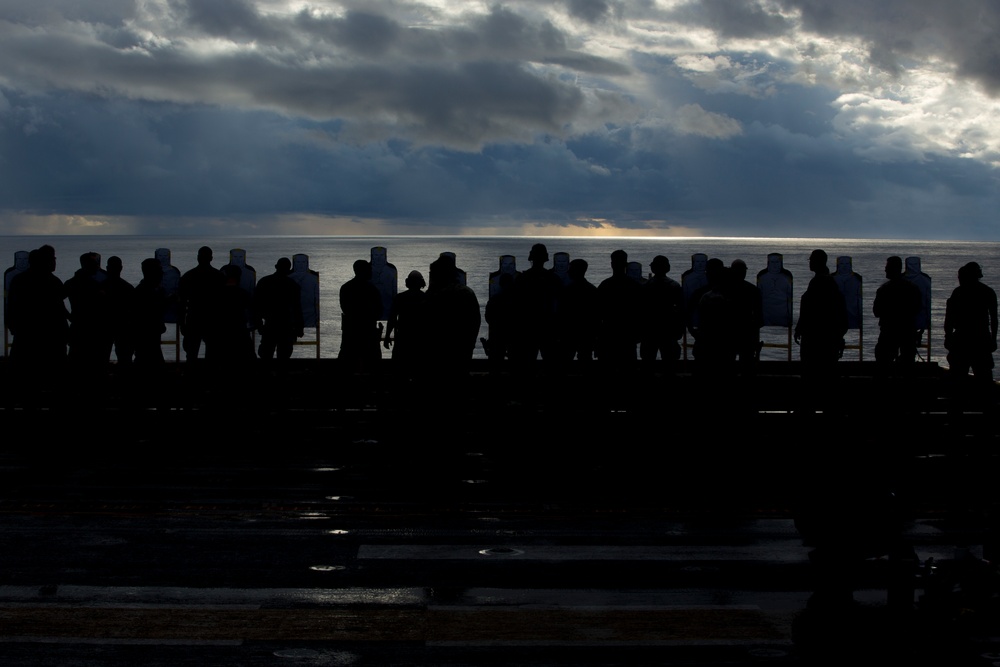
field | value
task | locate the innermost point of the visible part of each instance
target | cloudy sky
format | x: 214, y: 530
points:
x: 655, y: 117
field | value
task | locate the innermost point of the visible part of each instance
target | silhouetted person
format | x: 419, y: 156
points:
x: 822, y: 320
x: 361, y: 305
x: 618, y: 306
x: 36, y: 314
x: 404, y: 328
x: 278, y: 306
x: 536, y: 292
x: 120, y: 296
x: 199, y: 292
x: 662, y: 315
x: 715, y: 315
x: 90, y: 318
x: 578, y: 315
x: 970, y: 325
x: 149, y: 303
x: 233, y: 346
x: 897, y: 304
x: 749, y: 314
x: 501, y: 315
x: 452, y: 321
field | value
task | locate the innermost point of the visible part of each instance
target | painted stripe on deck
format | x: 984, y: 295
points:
x: 775, y: 553
x: 120, y: 642
x: 565, y: 626
x: 176, y: 596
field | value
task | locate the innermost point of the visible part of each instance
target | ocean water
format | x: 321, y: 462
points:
x: 332, y: 258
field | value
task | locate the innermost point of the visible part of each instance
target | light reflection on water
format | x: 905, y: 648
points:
x: 332, y: 257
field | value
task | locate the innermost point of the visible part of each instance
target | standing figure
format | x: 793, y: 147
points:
x: 36, y: 314
x: 618, y: 305
x: 452, y: 321
x: 578, y: 315
x: 404, y: 321
x: 897, y: 305
x: 233, y: 340
x: 90, y: 317
x: 278, y: 307
x: 822, y: 320
x: 714, y: 311
x: 501, y: 316
x: 662, y: 315
x: 199, y: 290
x: 970, y: 325
x: 749, y: 305
x: 536, y: 292
x: 120, y: 294
x: 149, y: 303
x: 361, y: 305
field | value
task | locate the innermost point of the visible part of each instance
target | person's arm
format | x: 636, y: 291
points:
x: 390, y: 326
x: 993, y: 321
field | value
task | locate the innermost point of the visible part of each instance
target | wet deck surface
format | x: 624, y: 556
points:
x: 502, y: 526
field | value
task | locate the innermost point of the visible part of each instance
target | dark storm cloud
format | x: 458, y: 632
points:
x: 501, y: 34
x: 234, y: 19
x: 41, y: 13
x: 734, y: 19
x: 127, y: 158
x: 589, y: 10
x: 463, y: 85
x: 366, y: 34
x: 964, y: 32
x: 728, y: 117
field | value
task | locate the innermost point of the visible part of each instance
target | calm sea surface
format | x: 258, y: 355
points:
x: 332, y: 257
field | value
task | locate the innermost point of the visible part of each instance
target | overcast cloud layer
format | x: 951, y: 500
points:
x: 770, y: 118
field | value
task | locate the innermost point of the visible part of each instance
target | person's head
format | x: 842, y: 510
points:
x: 970, y: 273
x: 443, y: 271
x: 204, y: 255
x: 539, y: 254
x: 715, y: 269
x: 619, y: 261
x: 283, y: 266
x: 738, y: 269
x: 89, y: 263
x: 362, y: 270
x: 114, y: 266
x: 660, y: 265
x: 415, y: 280
x: 893, y: 267
x: 152, y: 270
x: 44, y: 258
x: 817, y: 261
x: 578, y: 269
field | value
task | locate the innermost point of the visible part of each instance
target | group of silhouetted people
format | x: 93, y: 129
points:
x: 430, y: 333
x: 107, y: 313
x: 625, y: 318
x: 539, y: 312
